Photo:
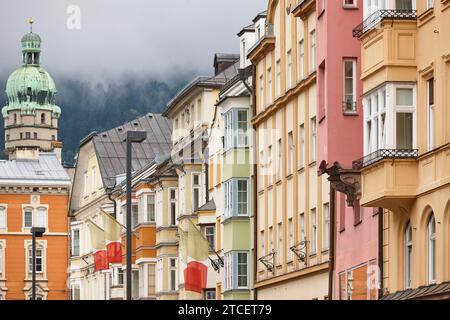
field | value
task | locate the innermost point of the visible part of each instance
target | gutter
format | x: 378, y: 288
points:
x: 332, y: 241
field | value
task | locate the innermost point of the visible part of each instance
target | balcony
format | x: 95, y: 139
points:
x: 389, y: 179
x: 376, y: 18
x: 304, y: 8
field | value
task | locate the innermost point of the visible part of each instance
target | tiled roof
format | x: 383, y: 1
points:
x: 421, y: 292
x: 47, y: 169
x: 210, y: 82
x: 110, y: 146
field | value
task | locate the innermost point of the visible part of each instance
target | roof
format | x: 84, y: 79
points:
x: 249, y: 28
x: 45, y: 170
x: 209, y: 206
x: 209, y: 82
x: 260, y: 15
x: 421, y: 292
x: 110, y: 146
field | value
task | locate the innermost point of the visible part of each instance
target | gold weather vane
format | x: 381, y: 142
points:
x: 31, y: 21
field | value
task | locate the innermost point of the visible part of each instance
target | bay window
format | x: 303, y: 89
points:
x: 195, y: 191
x: 236, y: 270
x: 236, y: 129
x: 390, y: 118
x: 372, y: 6
x: 173, y: 206
x: 236, y: 198
x: 150, y: 208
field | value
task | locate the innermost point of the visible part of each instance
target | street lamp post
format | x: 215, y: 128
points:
x: 35, y: 233
x: 132, y: 137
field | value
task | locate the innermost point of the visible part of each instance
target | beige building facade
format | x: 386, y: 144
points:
x: 406, y: 171
x: 292, y: 259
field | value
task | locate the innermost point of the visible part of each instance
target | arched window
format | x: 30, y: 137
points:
x: 431, y: 237
x: 408, y: 256
x: 42, y: 118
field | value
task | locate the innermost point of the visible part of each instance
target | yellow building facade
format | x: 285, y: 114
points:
x: 406, y: 170
x: 292, y: 260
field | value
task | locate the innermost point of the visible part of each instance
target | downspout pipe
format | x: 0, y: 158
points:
x: 380, y: 252
x: 255, y: 192
x: 109, y: 192
x: 332, y: 241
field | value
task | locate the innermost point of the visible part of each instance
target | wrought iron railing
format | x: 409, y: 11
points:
x: 269, y: 261
x: 300, y: 250
x: 381, y: 15
x: 385, y: 154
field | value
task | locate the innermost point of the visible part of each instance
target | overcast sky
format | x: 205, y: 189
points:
x: 116, y: 37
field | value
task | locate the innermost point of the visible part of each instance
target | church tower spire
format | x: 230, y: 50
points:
x: 31, y: 114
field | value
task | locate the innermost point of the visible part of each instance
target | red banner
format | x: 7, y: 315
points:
x: 195, y: 276
x: 114, y: 250
x: 101, y: 260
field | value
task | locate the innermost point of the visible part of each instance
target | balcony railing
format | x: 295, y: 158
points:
x: 381, y: 15
x: 385, y: 154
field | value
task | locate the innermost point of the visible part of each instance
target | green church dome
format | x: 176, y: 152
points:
x: 31, y: 87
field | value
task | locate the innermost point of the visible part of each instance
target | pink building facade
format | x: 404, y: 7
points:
x: 354, y: 238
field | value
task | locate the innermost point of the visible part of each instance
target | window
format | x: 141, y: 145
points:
x: 430, y: 4
x: 173, y: 274
x: 301, y: 148
x: 301, y: 227
x: 349, y: 85
x: 27, y: 135
x: 278, y: 80
x: 290, y: 238
x: 350, y: 4
x: 236, y: 270
x: 2, y: 258
x: 262, y: 242
x: 301, y: 63
x: 150, y: 208
x: 86, y: 186
x: 228, y: 137
x: 94, y: 180
x: 135, y: 284
x: 15, y: 118
x: 119, y: 276
x: 173, y: 207
x: 39, y: 259
x: 269, y: 165
x: 35, y: 136
x: 269, y: 85
x: 3, y: 218
x: 280, y: 249
x: 404, y: 130
x: 196, y: 191
x: 432, y: 250
x: 210, y: 294
x: 242, y: 266
x: 408, y: 256
x: 279, y: 159
x: 28, y: 218
x: 404, y: 4
x: 313, y: 235
x: 291, y: 151
x: 236, y: 198
x: 289, y: 69
x: 210, y: 237
x: 134, y: 215
x: 261, y: 91
x: 41, y: 217
x: 313, y: 139
x: 271, y: 239
x: 326, y: 227
x: 42, y: 118
x: 430, y: 94
x: 313, y: 49
x: 242, y: 126
x: 75, y: 292
x: 75, y: 242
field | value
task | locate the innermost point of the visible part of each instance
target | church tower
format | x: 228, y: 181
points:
x: 31, y: 115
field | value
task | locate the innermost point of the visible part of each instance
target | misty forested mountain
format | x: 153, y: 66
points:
x: 86, y: 107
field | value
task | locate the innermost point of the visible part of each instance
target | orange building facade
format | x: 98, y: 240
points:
x: 28, y: 203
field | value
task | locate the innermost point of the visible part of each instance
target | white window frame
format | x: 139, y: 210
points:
x: 269, y: 85
x: 313, y: 51
x: 289, y: 73
x: 278, y: 78
x: 2, y: 258
x: 4, y: 217
x: 353, y: 102
x: 326, y: 227
x: 301, y: 63
x: 208, y: 233
x: 173, y: 201
x: 25, y: 210
x: 313, y: 231
x: 93, y: 180
x: 313, y: 147
x: 431, y: 249
x: 408, y: 247
x: 42, y: 245
x: 231, y: 204
x: 173, y: 269
x: 196, y: 187
x: 430, y: 115
x: 72, y: 242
